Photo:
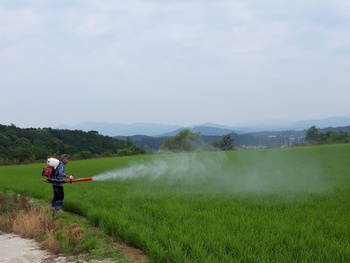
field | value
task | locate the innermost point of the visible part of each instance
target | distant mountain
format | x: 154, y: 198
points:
x: 266, y: 125
x: 214, y: 125
x: 339, y: 121
x: 118, y: 129
x: 206, y: 129
x: 203, y: 130
x: 280, y: 125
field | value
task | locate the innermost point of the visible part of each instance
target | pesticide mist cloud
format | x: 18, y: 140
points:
x: 172, y: 168
x: 269, y: 173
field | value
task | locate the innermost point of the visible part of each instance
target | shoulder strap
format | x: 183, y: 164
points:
x: 55, y: 171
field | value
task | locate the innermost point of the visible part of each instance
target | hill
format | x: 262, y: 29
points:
x: 203, y: 130
x: 118, y: 129
x: 160, y: 130
x: 19, y: 145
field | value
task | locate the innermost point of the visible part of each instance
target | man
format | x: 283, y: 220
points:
x: 57, y: 184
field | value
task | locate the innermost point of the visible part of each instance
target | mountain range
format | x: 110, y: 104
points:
x: 209, y: 129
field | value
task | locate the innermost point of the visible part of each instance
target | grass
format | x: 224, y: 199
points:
x: 60, y: 233
x: 278, y: 205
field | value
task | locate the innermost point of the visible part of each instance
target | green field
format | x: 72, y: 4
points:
x: 275, y: 205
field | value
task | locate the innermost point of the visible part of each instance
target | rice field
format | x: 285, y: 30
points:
x: 273, y: 205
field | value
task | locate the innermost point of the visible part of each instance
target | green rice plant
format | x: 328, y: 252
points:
x: 275, y: 205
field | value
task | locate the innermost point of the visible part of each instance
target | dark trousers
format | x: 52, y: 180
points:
x: 58, y: 196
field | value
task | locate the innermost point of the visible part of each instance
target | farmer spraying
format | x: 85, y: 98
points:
x: 57, y: 183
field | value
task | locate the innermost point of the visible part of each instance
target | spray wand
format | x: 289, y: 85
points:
x: 78, y: 180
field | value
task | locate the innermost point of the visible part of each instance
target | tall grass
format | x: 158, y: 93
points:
x: 280, y: 205
x: 54, y: 231
x: 35, y: 222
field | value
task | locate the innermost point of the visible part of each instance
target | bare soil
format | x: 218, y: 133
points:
x: 15, y: 249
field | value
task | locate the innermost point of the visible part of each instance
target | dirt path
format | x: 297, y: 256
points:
x: 15, y: 249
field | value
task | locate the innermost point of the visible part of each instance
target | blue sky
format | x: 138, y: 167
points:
x: 173, y: 62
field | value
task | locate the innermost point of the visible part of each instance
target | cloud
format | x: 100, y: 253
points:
x: 175, y: 55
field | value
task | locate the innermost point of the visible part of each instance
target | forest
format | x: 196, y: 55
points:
x: 27, y: 145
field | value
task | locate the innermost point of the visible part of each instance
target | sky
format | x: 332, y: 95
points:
x: 173, y: 62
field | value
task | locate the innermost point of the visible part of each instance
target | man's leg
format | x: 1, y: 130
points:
x: 58, y: 196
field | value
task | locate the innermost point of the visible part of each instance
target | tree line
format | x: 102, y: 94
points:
x: 18, y: 145
x: 315, y: 136
x: 187, y: 141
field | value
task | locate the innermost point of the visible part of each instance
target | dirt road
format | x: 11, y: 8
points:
x: 14, y: 249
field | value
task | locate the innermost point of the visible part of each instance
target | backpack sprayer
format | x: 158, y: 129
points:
x: 49, y: 172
